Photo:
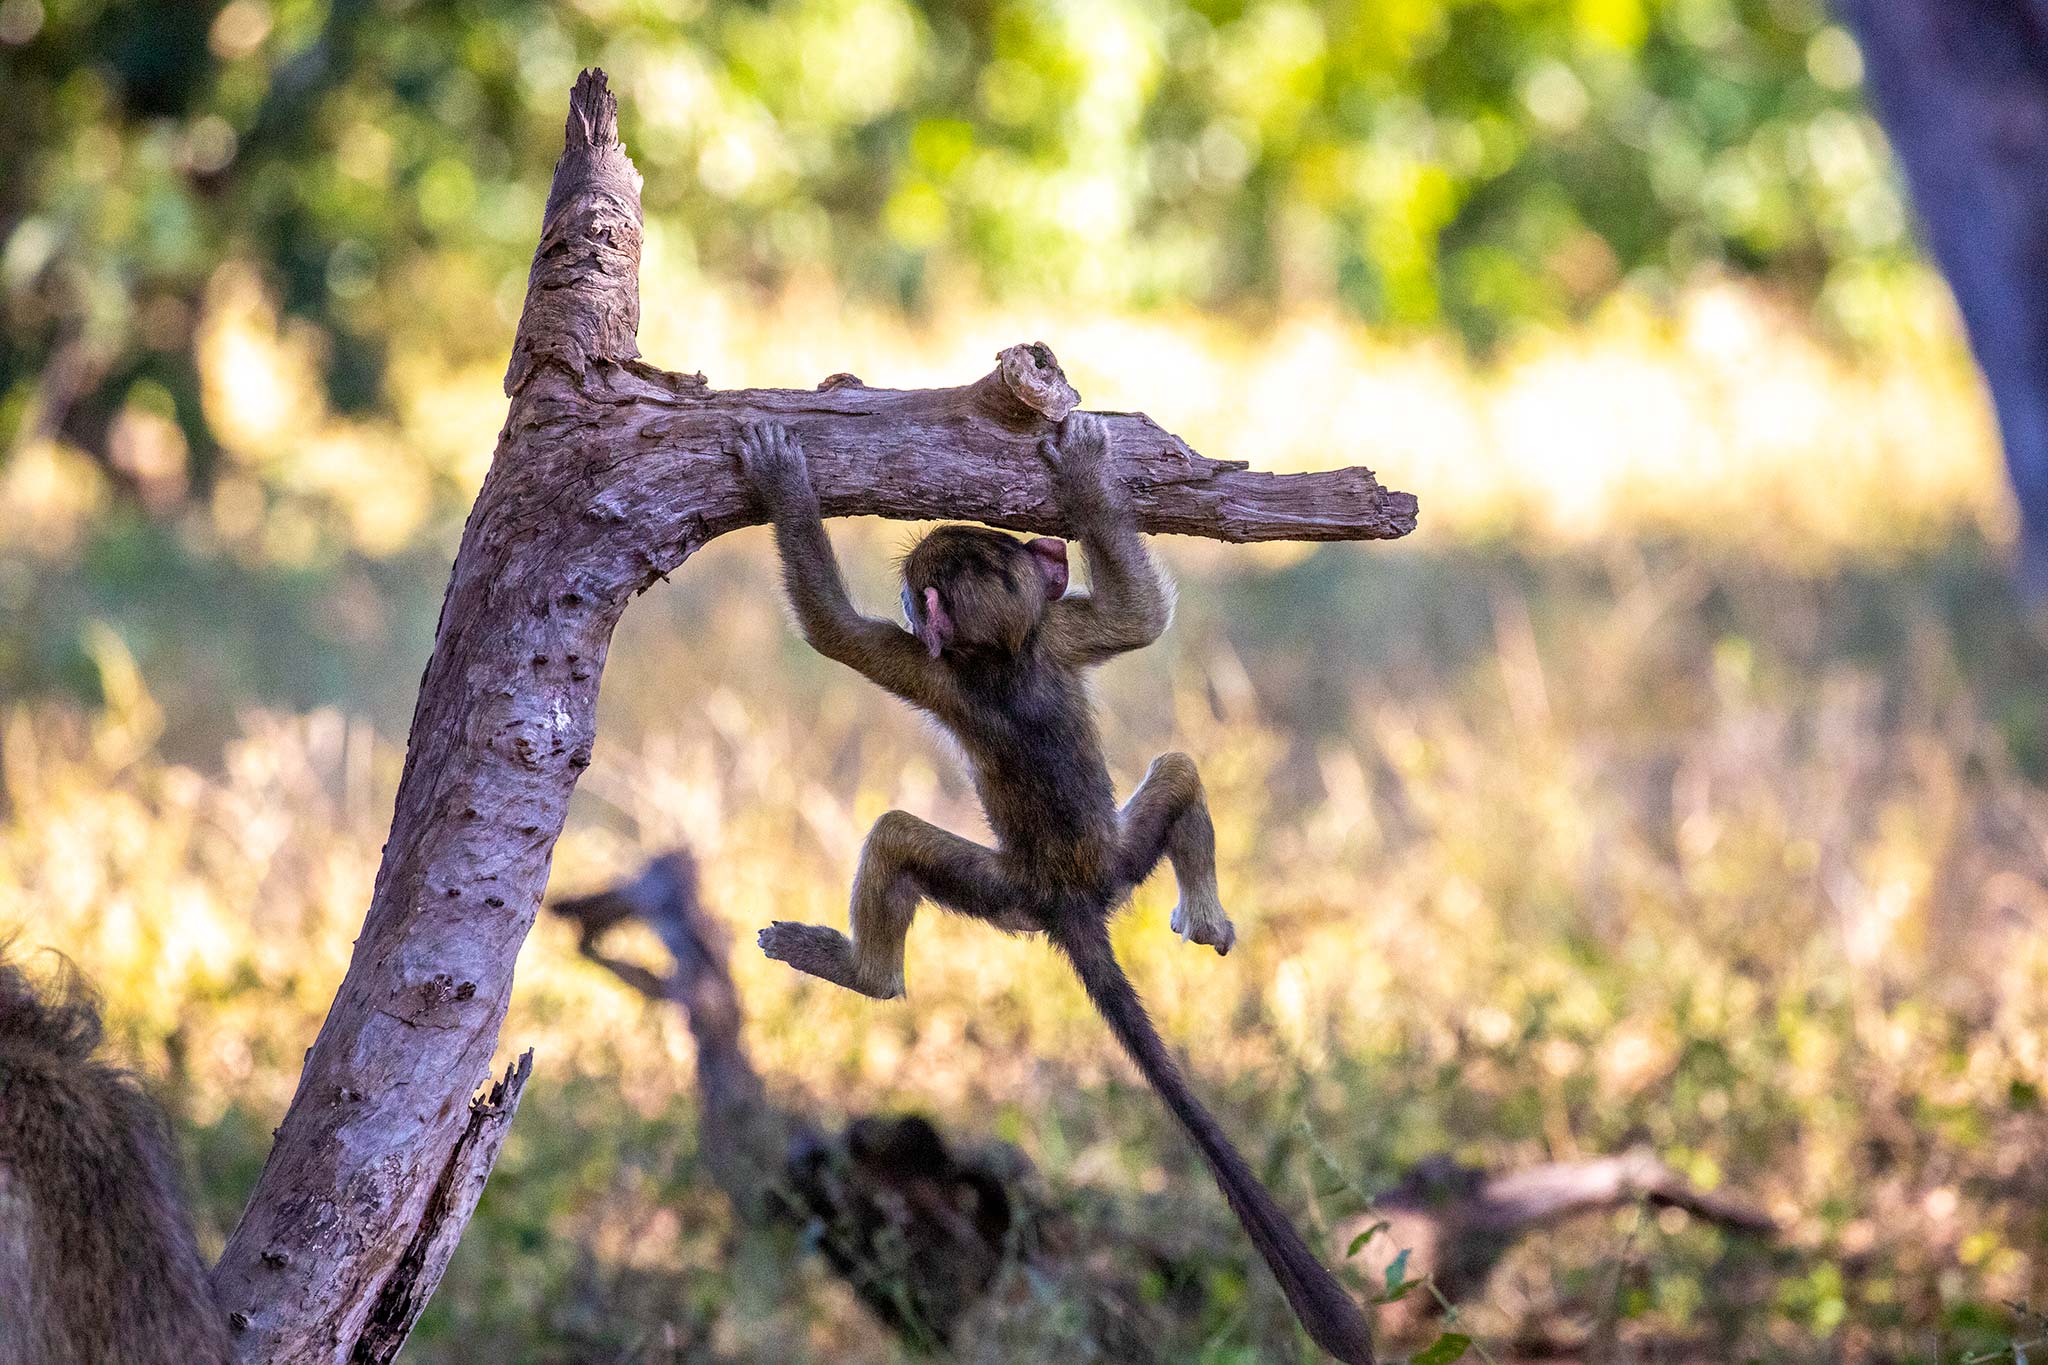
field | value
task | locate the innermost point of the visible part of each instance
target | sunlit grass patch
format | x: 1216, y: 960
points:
x: 1644, y: 847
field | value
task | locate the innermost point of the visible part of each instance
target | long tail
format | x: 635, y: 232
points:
x: 1327, y: 1313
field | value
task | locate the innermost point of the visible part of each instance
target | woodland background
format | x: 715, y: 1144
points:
x: 1679, y: 782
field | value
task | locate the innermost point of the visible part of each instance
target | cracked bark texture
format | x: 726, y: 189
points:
x: 608, y: 474
x: 454, y: 1198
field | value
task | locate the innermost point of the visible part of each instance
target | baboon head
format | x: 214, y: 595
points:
x: 968, y: 587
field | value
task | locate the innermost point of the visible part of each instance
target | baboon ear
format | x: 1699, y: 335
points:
x: 936, y: 629
x: 1050, y: 555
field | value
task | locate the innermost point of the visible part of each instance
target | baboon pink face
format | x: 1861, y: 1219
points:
x: 968, y: 586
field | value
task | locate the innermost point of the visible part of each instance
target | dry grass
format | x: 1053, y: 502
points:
x: 1706, y: 819
x: 1729, y: 862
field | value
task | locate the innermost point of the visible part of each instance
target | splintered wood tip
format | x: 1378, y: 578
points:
x: 593, y: 110
x: 1033, y: 375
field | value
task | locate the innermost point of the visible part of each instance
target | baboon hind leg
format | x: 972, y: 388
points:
x: 1168, y: 817
x: 905, y: 860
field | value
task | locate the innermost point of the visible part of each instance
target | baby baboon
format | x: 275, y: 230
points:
x: 997, y: 651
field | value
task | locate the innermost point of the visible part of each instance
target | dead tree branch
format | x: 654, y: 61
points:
x: 916, y: 1225
x: 745, y: 1139
x: 921, y: 1225
x: 426, y: 1257
x: 1458, y: 1223
x: 608, y: 474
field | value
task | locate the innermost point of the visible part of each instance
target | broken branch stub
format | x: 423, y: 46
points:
x: 608, y: 474
x: 406, y: 1291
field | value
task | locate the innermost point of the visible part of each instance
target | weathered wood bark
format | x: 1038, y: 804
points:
x: 454, y: 1198
x: 1962, y: 89
x: 608, y: 474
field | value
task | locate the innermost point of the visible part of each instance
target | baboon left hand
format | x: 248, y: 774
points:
x: 775, y: 465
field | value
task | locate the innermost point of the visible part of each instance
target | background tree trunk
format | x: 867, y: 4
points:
x: 608, y: 474
x: 1962, y: 89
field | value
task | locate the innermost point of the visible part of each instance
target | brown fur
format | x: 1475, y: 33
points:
x: 97, y: 1261
x: 998, y: 653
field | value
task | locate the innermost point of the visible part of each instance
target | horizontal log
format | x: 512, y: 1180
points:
x: 663, y: 457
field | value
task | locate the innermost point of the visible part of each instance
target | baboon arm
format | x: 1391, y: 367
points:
x: 1128, y: 604
x: 880, y: 651
x: 774, y: 463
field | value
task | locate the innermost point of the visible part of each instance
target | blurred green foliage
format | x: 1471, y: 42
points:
x: 1473, y: 163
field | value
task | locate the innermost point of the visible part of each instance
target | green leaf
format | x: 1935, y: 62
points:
x: 1445, y: 1349
x: 1362, y: 1238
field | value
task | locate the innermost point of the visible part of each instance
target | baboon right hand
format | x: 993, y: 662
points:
x: 1078, y: 453
x: 775, y: 467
